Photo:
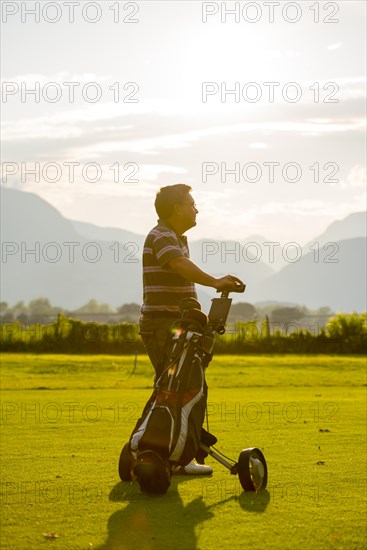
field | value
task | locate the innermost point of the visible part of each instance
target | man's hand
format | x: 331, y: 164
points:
x: 229, y: 282
x: 190, y: 271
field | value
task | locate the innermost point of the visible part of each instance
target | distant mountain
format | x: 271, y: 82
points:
x: 229, y: 257
x: 27, y: 217
x: 112, y: 234
x: 337, y: 280
x: 64, y: 266
x: 70, y: 262
x: 216, y: 254
x: 45, y: 254
x: 351, y: 227
x: 239, y: 254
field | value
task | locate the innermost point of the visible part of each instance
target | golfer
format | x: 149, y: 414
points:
x: 169, y: 276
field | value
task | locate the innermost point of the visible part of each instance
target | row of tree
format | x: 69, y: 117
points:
x: 41, y: 311
x: 342, y: 334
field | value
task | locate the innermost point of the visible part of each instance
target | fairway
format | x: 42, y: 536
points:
x: 65, y: 419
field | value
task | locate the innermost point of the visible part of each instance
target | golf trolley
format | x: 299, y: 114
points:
x: 147, y: 456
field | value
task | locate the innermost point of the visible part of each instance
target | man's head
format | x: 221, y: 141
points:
x: 175, y: 205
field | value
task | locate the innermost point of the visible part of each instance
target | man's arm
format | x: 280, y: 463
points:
x: 190, y: 271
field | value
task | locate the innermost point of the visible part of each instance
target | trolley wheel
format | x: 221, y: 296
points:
x: 125, y: 464
x: 252, y: 470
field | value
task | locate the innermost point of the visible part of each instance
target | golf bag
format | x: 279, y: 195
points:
x: 171, y: 425
x: 170, y: 431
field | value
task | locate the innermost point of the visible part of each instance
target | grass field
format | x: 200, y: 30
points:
x: 66, y: 418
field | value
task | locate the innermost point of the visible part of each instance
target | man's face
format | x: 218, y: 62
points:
x: 188, y: 212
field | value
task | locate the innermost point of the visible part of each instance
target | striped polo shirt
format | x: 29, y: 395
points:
x: 164, y: 289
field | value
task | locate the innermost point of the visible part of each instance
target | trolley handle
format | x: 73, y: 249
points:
x: 237, y: 288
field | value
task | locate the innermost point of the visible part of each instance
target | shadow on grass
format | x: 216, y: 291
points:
x: 254, y: 502
x: 157, y: 522
x: 153, y: 522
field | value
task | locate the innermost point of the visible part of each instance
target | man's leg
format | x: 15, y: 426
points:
x: 154, y: 333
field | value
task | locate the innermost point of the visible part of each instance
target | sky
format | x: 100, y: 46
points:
x: 261, y: 111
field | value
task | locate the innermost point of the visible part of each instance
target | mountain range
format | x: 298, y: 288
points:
x: 70, y: 262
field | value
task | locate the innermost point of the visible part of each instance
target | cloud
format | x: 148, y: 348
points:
x: 357, y: 176
x: 282, y: 221
x: 187, y: 139
x: 306, y: 209
x: 129, y: 180
x: 258, y: 145
x: 335, y: 46
x: 71, y: 123
x: 59, y: 77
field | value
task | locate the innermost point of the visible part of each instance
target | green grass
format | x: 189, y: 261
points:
x: 66, y: 418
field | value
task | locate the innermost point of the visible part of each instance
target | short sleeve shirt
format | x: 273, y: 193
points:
x: 164, y: 289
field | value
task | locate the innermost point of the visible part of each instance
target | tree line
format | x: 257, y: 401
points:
x: 343, y: 333
x: 40, y: 310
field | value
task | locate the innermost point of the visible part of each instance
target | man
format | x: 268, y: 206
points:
x: 169, y: 276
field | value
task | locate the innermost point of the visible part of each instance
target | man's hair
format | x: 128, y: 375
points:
x: 168, y: 196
